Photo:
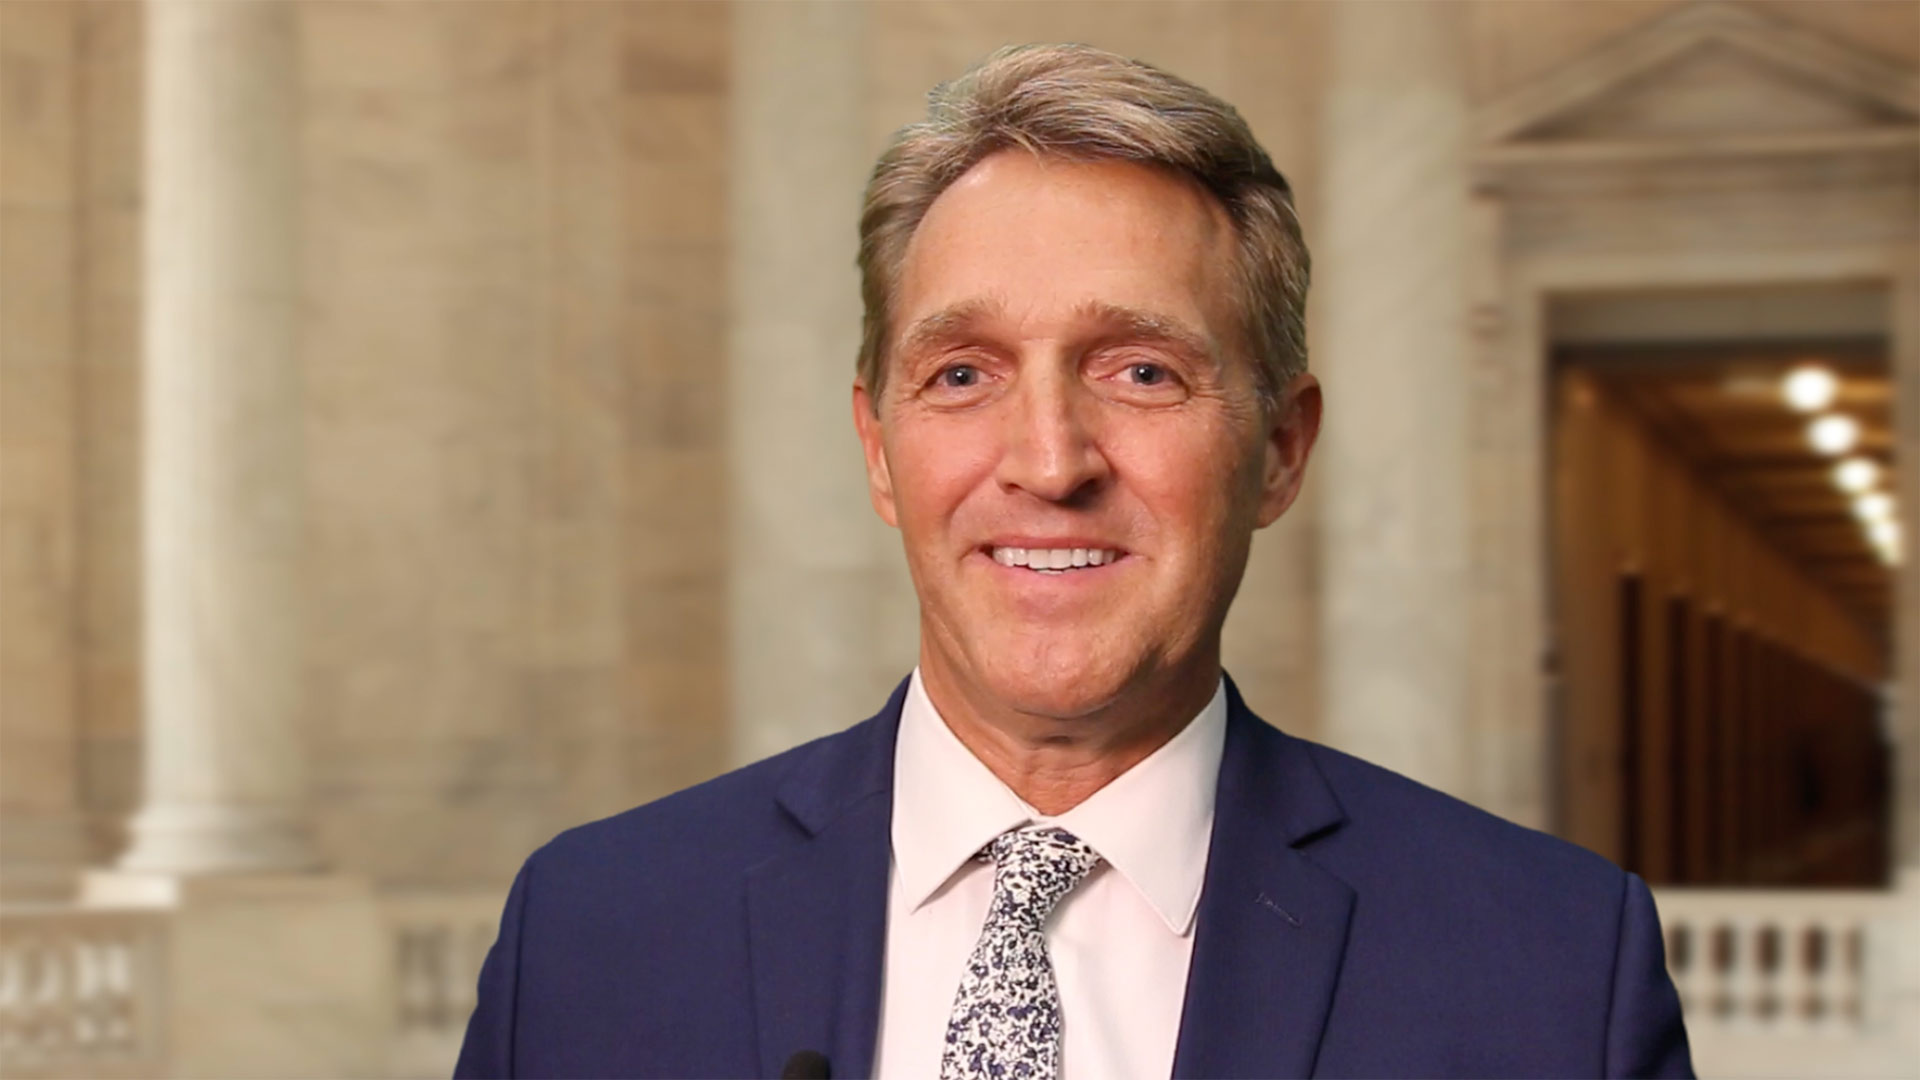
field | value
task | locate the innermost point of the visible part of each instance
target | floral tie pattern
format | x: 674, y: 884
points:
x: 1006, y: 1016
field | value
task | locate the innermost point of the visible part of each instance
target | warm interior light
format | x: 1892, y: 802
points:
x: 1873, y: 507
x: 1833, y: 433
x: 1886, y: 540
x: 1856, y: 475
x: 1809, y: 388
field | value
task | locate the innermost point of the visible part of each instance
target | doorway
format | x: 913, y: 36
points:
x: 1724, y: 539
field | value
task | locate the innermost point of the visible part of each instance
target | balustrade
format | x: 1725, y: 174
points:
x: 1781, y: 962
x: 438, y: 943
x: 78, y: 994
x: 1759, y: 974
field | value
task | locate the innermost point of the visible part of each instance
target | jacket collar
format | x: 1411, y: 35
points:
x: 1151, y: 825
x: 1273, y: 924
x: 817, y: 912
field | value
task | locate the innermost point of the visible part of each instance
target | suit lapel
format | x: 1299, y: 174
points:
x: 817, y: 914
x: 1268, y: 941
x: 1272, y: 925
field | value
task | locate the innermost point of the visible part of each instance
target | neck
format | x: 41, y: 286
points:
x: 1055, y: 763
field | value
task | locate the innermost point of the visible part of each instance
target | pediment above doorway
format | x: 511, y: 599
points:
x: 1708, y: 77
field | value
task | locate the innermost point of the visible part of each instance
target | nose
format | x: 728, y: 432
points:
x: 1049, y: 446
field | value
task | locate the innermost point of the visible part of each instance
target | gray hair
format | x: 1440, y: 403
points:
x: 1078, y: 102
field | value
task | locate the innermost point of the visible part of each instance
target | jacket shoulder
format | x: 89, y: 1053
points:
x: 1507, y: 942
x: 730, y: 821
x: 1406, y: 833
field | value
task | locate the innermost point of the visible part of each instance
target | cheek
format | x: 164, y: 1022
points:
x: 1190, y: 479
x: 935, y: 465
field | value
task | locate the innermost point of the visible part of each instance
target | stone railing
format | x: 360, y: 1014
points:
x: 437, y: 942
x: 80, y: 993
x: 1771, y: 960
x: 1773, y: 983
x: 1790, y: 982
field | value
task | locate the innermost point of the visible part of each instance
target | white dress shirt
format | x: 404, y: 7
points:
x: 1120, y: 941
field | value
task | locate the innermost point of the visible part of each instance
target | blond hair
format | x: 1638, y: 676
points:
x: 1078, y: 102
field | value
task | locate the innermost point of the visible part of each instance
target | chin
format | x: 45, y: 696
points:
x: 1056, y: 682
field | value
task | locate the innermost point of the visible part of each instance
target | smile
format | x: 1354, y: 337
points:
x: 1054, y: 560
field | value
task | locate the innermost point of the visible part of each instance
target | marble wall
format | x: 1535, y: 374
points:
x: 39, y: 490
x: 69, y: 432
x: 576, y: 275
x: 514, y: 346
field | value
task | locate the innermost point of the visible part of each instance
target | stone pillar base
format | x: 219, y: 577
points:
x: 266, y: 975
x: 207, y: 840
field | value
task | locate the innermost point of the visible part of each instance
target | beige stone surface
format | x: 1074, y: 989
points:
x: 266, y: 975
x: 1392, y: 351
x: 585, y: 517
x: 40, y: 515
x: 223, y: 533
x: 515, y: 350
x: 1515, y: 42
x: 1277, y: 61
x: 810, y: 561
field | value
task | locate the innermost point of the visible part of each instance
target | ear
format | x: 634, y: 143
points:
x: 866, y: 421
x: 1291, y: 431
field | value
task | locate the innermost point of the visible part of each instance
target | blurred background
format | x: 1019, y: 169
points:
x: 426, y: 428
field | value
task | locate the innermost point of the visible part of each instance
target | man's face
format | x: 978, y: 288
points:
x: 1066, y: 388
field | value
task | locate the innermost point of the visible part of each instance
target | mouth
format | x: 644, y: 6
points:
x: 1054, y: 561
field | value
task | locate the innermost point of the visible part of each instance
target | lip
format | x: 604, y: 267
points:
x: 1049, y: 583
x: 1048, y: 542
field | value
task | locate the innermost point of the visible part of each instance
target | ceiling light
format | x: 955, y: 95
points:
x: 1833, y: 433
x: 1873, y: 507
x: 1809, y: 388
x: 1856, y: 475
x: 1886, y: 540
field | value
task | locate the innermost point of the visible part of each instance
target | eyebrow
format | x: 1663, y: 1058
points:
x: 949, y: 325
x: 954, y: 324
x: 1132, y: 324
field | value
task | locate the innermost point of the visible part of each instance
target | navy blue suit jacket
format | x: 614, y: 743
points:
x: 1352, y: 923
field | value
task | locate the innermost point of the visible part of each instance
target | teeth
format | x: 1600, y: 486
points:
x: 1053, y: 559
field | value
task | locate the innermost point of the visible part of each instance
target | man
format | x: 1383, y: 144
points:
x: 1065, y: 848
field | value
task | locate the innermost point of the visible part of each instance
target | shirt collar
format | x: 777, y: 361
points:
x: 1152, y: 823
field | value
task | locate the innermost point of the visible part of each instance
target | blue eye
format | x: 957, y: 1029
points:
x: 958, y: 376
x: 1147, y: 374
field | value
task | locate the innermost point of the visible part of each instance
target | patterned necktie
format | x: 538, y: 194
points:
x: 1006, y: 1017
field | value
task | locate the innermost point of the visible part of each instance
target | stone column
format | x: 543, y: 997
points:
x: 273, y: 970
x: 222, y: 459
x: 823, y: 619
x: 1390, y: 267
x: 1903, y: 706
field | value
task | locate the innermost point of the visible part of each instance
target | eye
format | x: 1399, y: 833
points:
x: 1140, y: 377
x: 957, y: 376
x: 958, y: 384
x: 1146, y: 374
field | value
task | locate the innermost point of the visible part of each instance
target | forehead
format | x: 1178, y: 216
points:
x: 1046, y: 240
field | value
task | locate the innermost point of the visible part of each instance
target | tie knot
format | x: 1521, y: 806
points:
x: 1034, y: 867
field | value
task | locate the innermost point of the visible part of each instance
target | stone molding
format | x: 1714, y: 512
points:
x: 1819, y: 62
